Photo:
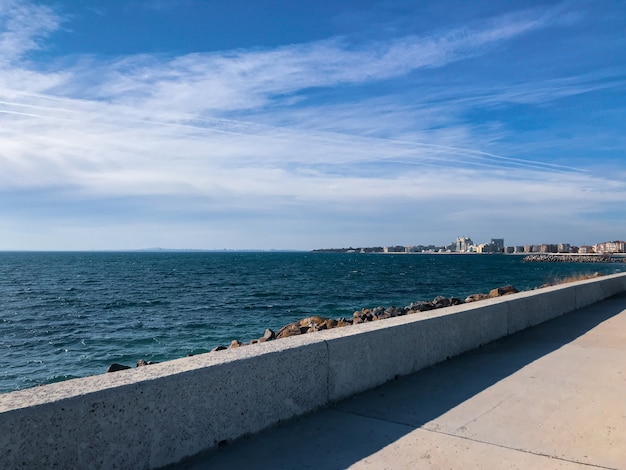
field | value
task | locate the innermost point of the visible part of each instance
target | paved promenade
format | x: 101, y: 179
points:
x: 552, y: 397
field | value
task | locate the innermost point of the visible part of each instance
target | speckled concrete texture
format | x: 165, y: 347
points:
x: 165, y: 412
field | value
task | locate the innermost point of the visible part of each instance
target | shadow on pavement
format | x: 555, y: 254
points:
x: 349, y: 431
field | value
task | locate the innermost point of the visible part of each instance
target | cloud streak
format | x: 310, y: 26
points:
x: 239, y: 132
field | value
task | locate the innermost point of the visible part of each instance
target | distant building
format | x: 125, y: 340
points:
x: 546, y: 248
x: 463, y: 244
x: 611, y: 247
x: 564, y: 248
x: 394, y: 249
x: 585, y: 250
x: 497, y: 245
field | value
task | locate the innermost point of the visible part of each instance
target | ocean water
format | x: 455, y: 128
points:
x: 67, y: 315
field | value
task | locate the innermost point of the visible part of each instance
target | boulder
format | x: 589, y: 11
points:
x: 235, y: 344
x: 117, y: 367
x: 269, y: 335
x: 310, y: 325
x: 476, y: 297
x: 143, y: 362
x: 343, y: 322
x: 218, y: 348
x: 500, y: 291
x: 382, y: 316
x: 292, y: 329
x: 421, y: 306
x: 378, y: 311
x: 441, y: 302
x: 361, y: 314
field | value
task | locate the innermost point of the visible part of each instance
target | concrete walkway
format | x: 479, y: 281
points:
x: 551, y: 397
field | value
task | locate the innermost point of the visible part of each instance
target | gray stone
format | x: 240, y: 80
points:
x: 117, y: 367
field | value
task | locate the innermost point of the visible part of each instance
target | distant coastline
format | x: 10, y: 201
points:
x: 465, y: 245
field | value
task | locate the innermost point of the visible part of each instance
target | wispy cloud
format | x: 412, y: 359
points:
x: 23, y: 26
x: 247, y: 79
x: 238, y: 130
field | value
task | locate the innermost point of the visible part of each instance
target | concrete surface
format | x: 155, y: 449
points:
x: 159, y: 414
x: 549, y: 397
x: 154, y: 415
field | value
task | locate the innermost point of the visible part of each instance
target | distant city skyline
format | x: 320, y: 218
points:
x: 495, y: 245
x: 296, y: 125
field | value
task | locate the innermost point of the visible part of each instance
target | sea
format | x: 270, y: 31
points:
x: 65, y: 315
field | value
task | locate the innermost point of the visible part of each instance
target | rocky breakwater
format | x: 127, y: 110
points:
x: 316, y: 323
x: 563, y: 258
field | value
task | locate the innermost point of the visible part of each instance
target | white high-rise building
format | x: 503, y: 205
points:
x: 463, y: 244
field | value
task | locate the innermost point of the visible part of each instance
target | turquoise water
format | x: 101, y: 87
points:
x: 66, y: 315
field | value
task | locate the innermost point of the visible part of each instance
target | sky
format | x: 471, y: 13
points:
x: 281, y: 124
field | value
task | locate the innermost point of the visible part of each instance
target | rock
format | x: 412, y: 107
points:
x: 421, y: 306
x: 365, y: 315
x: 288, y: 330
x: 382, y: 316
x: 476, y: 297
x: 378, y: 311
x: 305, y: 325
x: 500, y: 291
x: 441, y: 302
x: 117, y: 367
x: 143, y: 362
x: 269, y: 335
x: 218, y: 348
x: 235, y: 344
x: 362, y: 313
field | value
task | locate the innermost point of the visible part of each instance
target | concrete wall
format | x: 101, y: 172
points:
x: 157, y: 415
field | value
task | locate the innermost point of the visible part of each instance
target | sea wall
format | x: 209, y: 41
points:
x: 157, y: 415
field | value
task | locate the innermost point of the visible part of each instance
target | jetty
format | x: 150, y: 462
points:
x: 573, y: 258
x: 529, y: 380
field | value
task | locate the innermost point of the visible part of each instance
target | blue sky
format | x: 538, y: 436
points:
x: 306, y: 124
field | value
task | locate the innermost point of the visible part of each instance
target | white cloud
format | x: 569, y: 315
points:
x: 233, y: 132
x: 243, y: 80
x: 22, y: 27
